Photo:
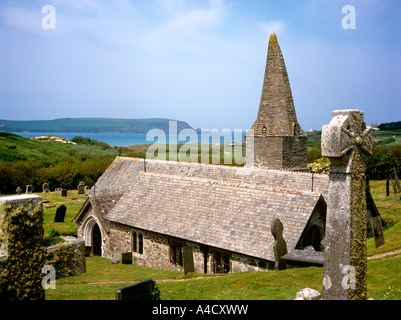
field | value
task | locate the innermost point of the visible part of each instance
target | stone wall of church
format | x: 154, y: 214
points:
x: 156, y: 252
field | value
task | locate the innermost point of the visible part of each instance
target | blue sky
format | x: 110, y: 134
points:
x: 198, y: 61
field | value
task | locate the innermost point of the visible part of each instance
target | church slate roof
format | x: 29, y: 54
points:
x: 121, y: 175
x: 210, y: 204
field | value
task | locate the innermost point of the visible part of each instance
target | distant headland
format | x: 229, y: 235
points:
x: 91, y: 125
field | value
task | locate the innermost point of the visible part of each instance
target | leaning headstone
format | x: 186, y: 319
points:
x: 63, y: 192
x: 188, y: 259
x: 28, y: 189
x: 377, y: 230
x: 279, y: 246
x: 60, y: 213
x: 396, y: 180
x: 45, y: 187
x: 81, y: 188
x: 394, y: 186
x: 346, y: 141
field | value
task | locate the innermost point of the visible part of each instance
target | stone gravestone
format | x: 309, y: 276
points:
x: 396, y: 180
x: 45, y: 187
x: 279, y: 247
x: 188, y: 259
x: 142, y: 290
x: 377, y: 230
x: 19, y: 189
x: 346, y: 141
x: 116, y: 257
x: 21, y: 248
x: 28, y: 189
x: 81, y: 188
x: 60, y: 213
x: 126, y: 258
x: 63, y: 192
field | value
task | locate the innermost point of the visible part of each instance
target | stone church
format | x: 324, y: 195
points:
x: 152, y: 208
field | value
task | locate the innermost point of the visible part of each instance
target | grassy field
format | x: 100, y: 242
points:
x: 103, y: 278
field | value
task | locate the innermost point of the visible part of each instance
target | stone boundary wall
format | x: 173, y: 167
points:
x: 67, y: 257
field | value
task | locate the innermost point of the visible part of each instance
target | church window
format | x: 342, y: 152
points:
x: 137, y: 242
x: 175, y: 252
x: 140, y: 243
x: 134, y: 242
x: 221, y: 263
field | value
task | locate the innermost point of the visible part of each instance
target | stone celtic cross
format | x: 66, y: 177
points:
x: 346, y: 141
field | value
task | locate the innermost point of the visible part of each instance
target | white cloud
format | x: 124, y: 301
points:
x: 182, y: 22
x: 21, y: 18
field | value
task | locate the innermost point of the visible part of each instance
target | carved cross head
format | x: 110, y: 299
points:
x: 346, y: 140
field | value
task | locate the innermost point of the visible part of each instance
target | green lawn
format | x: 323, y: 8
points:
x: 102, y: 277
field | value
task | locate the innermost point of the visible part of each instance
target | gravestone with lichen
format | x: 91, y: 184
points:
x: 21, y: 263
x: 346, y: 141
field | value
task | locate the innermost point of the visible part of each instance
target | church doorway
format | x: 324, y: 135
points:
x: 96, y: 241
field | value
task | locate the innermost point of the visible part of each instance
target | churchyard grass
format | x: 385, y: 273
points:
x: 102, y: 277
x: 73, y: 202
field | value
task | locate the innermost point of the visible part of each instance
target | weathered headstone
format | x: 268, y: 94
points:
x: 21, y: 248
x: 116, y: 257
x: 377, y: 230
x: 188, y: 259
x: 372, y: 211
x: 18, y: 190
x: 396, y: 180
x: 394, y: 186
x: 45, y: 187
x: 279, y: 246
x: 60, y: 213
x: 63, y: 192
x: 81, y: 188
x: 346, y: 141
x: 28, y: 189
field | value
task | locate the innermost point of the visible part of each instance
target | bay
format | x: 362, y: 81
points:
x: 130, y: 139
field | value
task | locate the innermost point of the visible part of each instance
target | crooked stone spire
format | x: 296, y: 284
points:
x: 279, y: 141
